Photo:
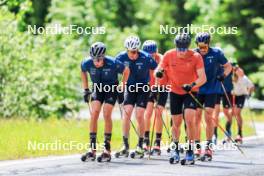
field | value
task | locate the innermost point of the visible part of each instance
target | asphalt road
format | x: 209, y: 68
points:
x: 224, y: 163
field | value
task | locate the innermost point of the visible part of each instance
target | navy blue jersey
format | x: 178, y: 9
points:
x: 212, y: 62
x: 107, y: 74
x: 227, y: 81
x: 139, y: 68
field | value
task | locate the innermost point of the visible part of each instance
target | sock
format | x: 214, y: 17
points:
x: 176, y: 143
x: 239, y: 131
x: 93, y: 141
x: 146, y: 138
x: 140, y: 142
x: 228, y: 126
x: 208, y: 144
x: 107, y: 139
x: 215, y: 132
x: 197, y: 144
x: 125, y: 141
x: 158, y: 139
x: 190, y: 146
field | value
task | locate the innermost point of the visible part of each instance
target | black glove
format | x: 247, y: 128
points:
x: 159, y: 73
x: 86, y: 95
x: 220, y: 78
x: 120, y: 97
x: 188, y: 87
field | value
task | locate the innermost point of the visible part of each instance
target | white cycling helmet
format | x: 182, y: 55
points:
x: 132, y: 43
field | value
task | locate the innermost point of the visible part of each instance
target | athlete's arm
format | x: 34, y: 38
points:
x: 201, y: 77
x: 250, y: 85
x: 84, y: 80
x: 125, y: 76
x: 227, y: 68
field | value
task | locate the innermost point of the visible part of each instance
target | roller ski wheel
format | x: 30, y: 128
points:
x: 207, y: 156
x: 156, y: 151
x: 174, y: 158
x: 123, y: 152
x: 189, y: 159
x: 88, y: 156
x: 239, y: 140
x: 105, y: 156
x: 139, y: 152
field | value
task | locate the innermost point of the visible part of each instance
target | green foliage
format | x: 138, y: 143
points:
x: 40, y: 73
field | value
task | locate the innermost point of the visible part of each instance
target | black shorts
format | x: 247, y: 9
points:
x: 180, y: 102
x: 225, y: 103
x: 240, y: 101
x: 139, y: 98
x: 161, y: 96
x: 104, y: 97
x: 207, y: 100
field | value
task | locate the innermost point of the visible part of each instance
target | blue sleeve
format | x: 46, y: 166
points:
x: 119, y: 58
x: 84, y: 66
x: 153, y: 63
x: 222, y: 59
x: 120, y: 66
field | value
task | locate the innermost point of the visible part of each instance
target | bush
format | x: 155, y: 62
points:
x: 39, y: 75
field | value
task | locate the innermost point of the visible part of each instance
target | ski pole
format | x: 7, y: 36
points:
x: 251, y: 117
x: 224, y: 131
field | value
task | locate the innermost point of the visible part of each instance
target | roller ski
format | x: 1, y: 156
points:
x: 156, y: 151
x: 197, y: 154
x: 189, y: 158
x: 138, y: 153
x: 89, y: 156
x: 124, y: 152
x: 239, y: 140
x: 207, y: 156
x: 175, y: 157
x: 104, y: 157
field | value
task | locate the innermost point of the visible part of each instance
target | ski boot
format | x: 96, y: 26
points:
x: 91, y: 155
x: 156, y: 151
x: 105, y: 156
x: 207, y: 156
x: 189, y: 158
x: 146, y: 149
x: 239, y: 139
x: 123, y: 152
x: 197, y: 154
x: 214, y: 140
x: 139, y: 152
x: 182, y: 147
x: 227, y: 138
x: 174, y: 157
